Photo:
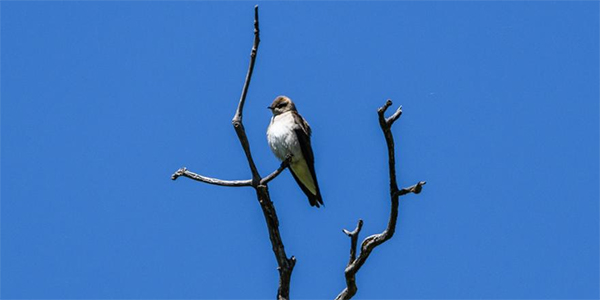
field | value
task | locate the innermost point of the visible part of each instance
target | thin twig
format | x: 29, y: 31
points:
x: 253, y: 53
x: 353, y: 239
x: 375, y: 240
x: 185, y: 173
x: 415, y: 189
x: 394, y: 116
x: 275, y: 173
x: 237, y: 118
x: 233, y: 183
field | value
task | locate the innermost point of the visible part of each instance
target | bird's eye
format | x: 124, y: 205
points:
x: 280, y: 105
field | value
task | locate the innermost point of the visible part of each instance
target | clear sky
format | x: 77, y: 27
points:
x: 102, y: 101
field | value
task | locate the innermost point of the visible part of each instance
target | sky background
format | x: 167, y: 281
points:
x: 102, y: 101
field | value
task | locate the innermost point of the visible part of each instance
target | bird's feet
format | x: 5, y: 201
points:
x: 288, y: 159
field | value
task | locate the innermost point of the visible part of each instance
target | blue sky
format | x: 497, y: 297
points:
x: 102, y: 101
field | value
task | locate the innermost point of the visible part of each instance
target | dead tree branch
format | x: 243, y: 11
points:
x: 285, y: 264
x: 248, y: 182
x: 276, y: 173
x: 375, y: 240
x: 353, y: 240
x: 237, y: 118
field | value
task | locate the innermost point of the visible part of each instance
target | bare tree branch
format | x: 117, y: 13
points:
x: 375, y: 240
x: 237, y: 118
x: 185, y: 173
x: 353, y: 240
x: 234, y: 183
x: 275, y: 173
x: 415, y: 189
x: 285, y: 264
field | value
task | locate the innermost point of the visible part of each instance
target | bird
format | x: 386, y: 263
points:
x: 288, y: 135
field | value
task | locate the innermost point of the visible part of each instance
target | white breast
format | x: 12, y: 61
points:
x: 282, y: 138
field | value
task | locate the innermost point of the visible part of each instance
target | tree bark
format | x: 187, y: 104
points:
x: 375, y: 240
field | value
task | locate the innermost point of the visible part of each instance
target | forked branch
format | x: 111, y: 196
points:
x: 285, y: 264
x: 377, y: 239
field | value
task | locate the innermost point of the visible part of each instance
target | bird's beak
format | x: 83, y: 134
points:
x: 269, y: 107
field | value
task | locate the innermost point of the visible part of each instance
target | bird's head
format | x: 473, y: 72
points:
x: 281, y: 104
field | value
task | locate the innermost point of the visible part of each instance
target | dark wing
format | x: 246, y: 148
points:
x: 312, y: 199
x: 303, y: 133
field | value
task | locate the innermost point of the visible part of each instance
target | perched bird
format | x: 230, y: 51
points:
x: 289, y: 135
